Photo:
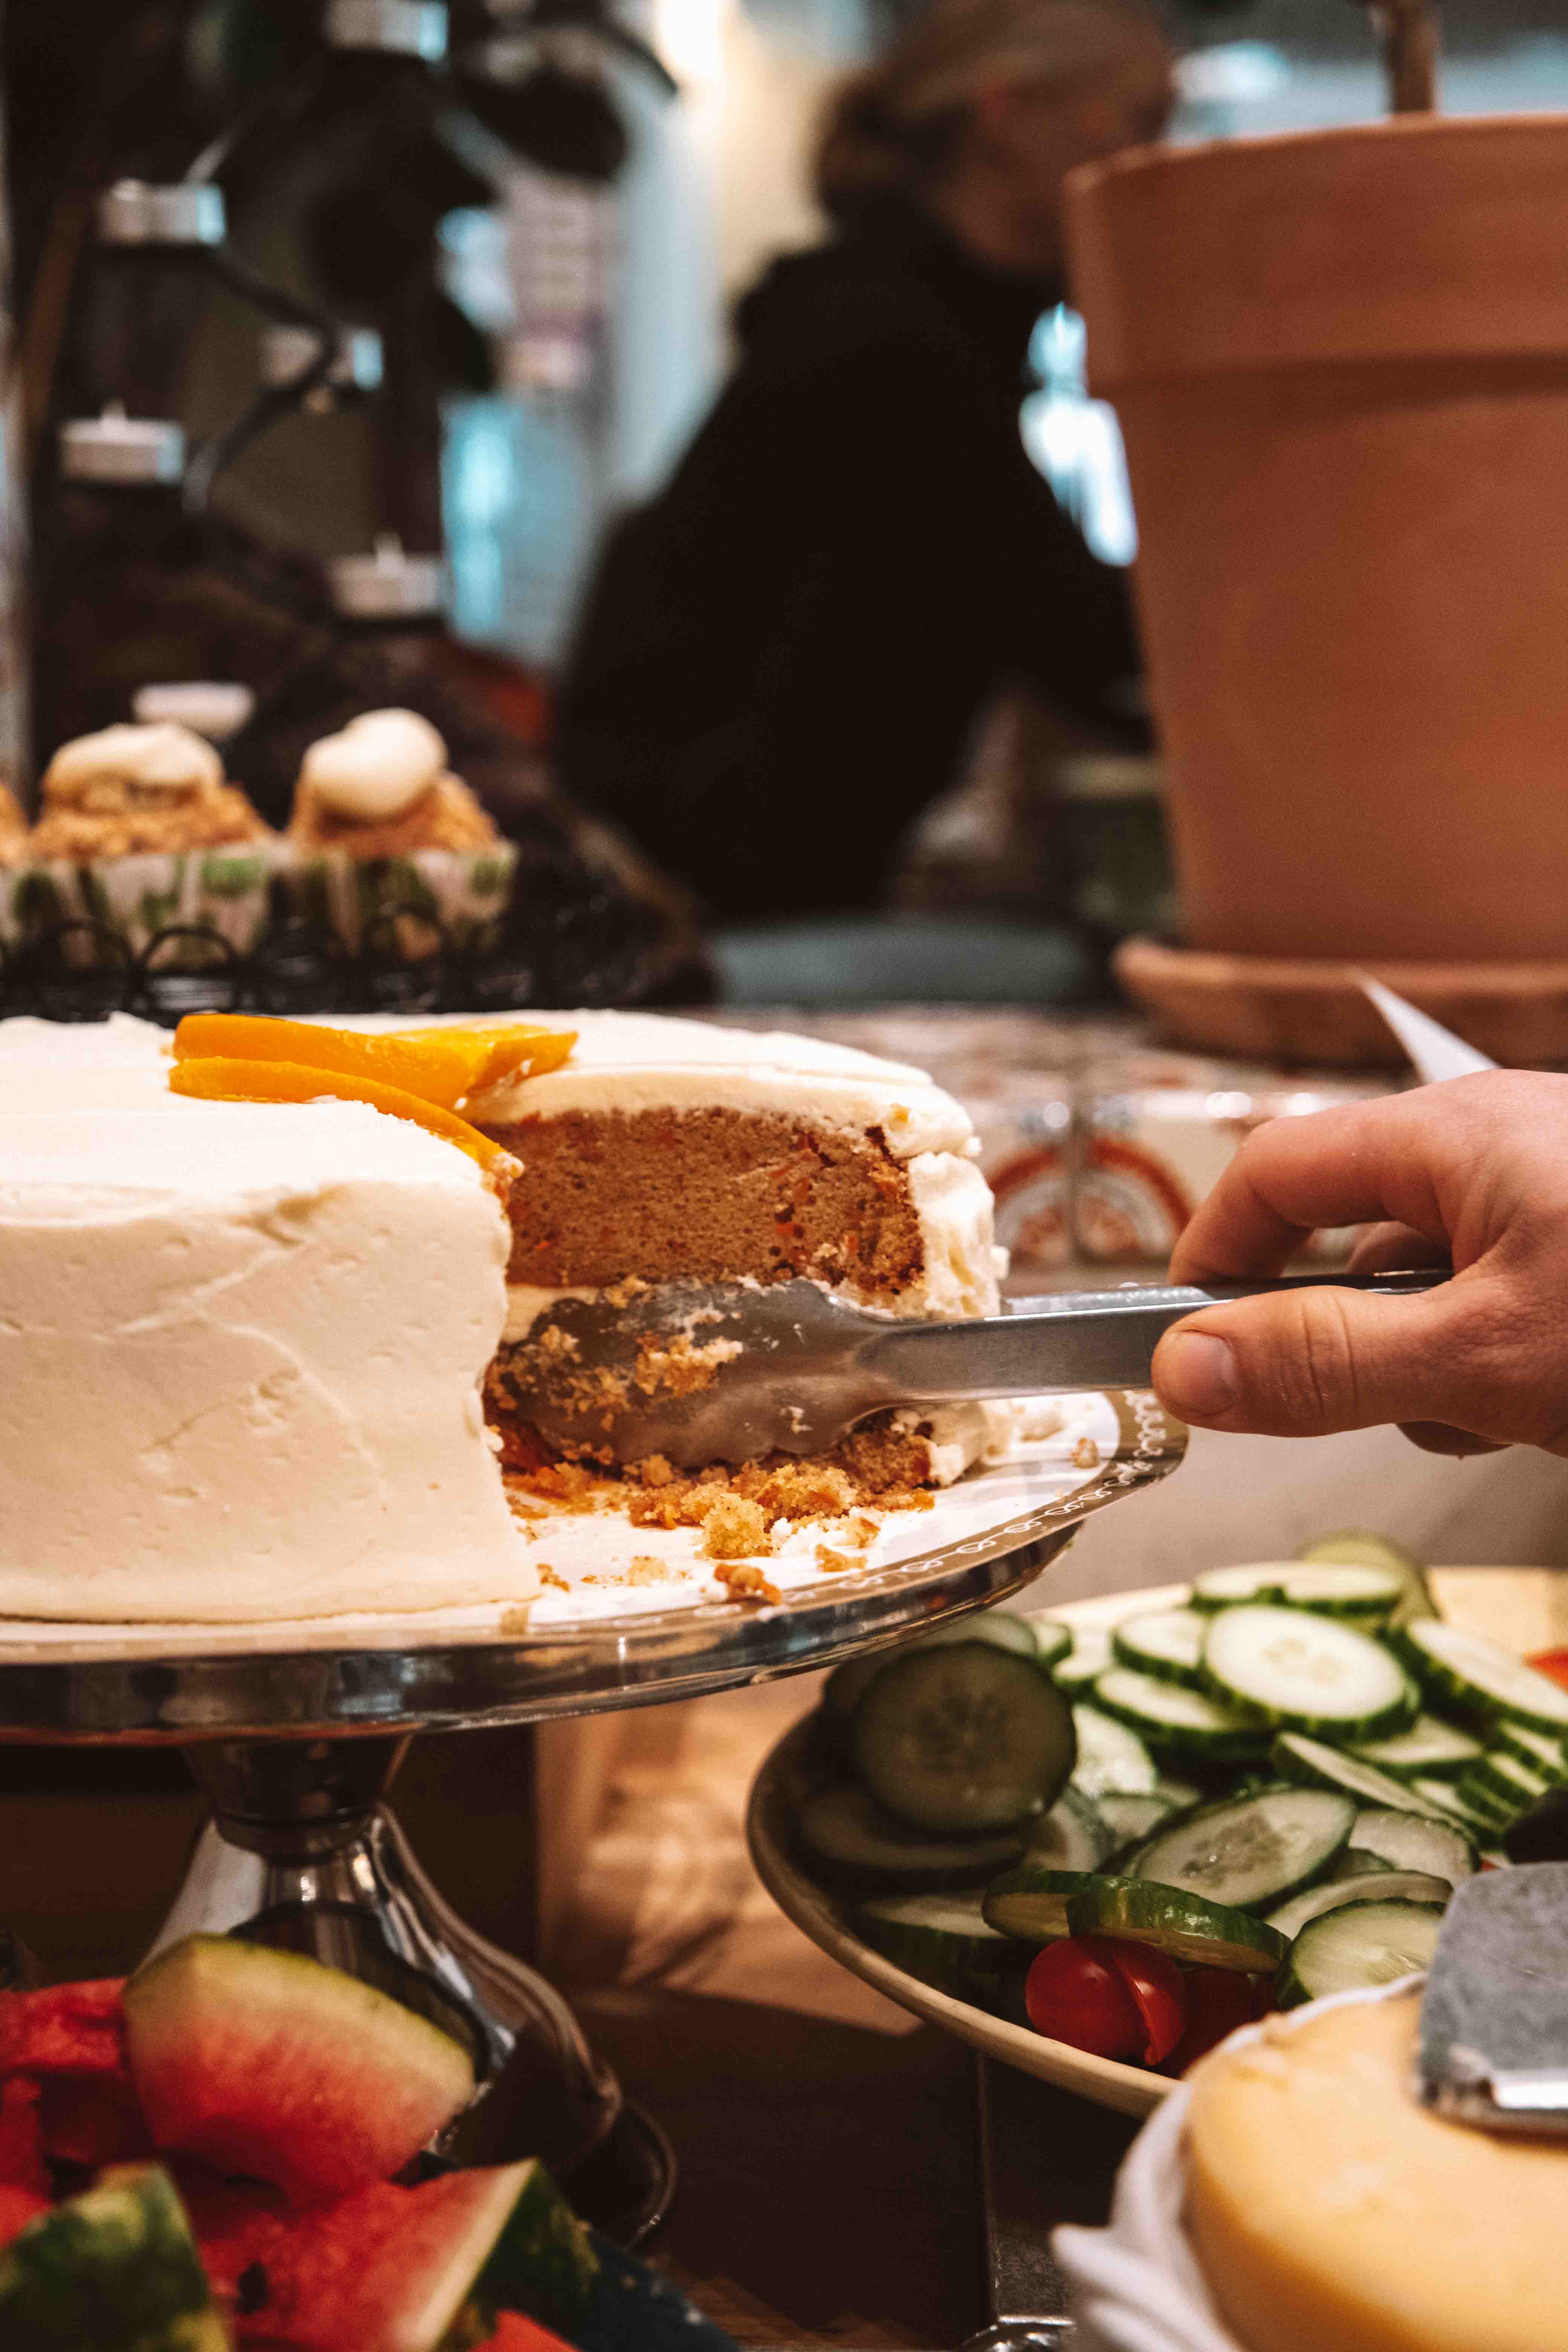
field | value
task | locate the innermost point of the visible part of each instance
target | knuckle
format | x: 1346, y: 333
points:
x: 1300, y: 1375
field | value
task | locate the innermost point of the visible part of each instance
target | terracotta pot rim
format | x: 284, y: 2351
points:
x: 1224, y: 969
x: 1262, y: 147
x: 1428, y: 241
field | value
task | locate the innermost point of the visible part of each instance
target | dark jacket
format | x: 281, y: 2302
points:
x: 780, y: 656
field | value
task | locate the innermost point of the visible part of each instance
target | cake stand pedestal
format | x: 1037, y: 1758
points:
x: 294, y: 1732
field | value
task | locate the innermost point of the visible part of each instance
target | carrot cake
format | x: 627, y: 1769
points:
x: 254, y: 1354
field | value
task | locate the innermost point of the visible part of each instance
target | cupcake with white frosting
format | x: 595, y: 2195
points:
x: 140, y: 829
x: 387, y: 837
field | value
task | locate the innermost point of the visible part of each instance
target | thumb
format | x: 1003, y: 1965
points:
x: 1301, y: 1363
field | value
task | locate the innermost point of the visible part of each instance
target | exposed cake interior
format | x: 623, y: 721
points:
x: 671, y: 1150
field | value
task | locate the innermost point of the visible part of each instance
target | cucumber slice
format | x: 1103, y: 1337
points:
x: 1052, y: 1641
x: 1295, y: 1671
x: 1536, y: 1748
x: 849, y: 1842
x: 1345, y: 1590
x: 1085, y: 1662
x: 1360, y: 1546
x: 1445, y: 1801
x: 1186, y: 1721
x: 1503, y: 1779
x: 1429, y: 1746
x: 1314, y: 1765
x: 1003, y: 1628
x: 943, y: 1939
x: 1074, y: 1835
x: 1111, y: 1756
x: 1166, y: 1643
x: 1030, y: 1904
x: 1359, y: 1944
x: 1408, y: 1841
x: 1400, y: 1885
x: 1251, y: 1852
x: 1178, y: 1794
x: 1479, y: 1680
x: 1141, y: 1911
x: 963, y: 1738
x: 1358, y: 1862
x: 1133, y: 1819
x: 1496, y: 1805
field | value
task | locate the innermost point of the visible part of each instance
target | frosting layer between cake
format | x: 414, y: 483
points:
x: 240, y: 1349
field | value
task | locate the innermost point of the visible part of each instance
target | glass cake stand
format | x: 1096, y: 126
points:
x: 293, y: 1734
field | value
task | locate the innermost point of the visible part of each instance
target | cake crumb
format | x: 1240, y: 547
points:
x: 861, y: 1530
x: 732, y: 1528
x: 833, y: 1563
x: 1086, y: 1454
x: 564, y: 1483
x: 646, y: 1568
x: 746, y: 1581
x: 657, y: 1471
x: 678, y: 1366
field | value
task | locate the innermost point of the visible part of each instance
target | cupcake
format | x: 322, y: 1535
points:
x: 387, y: 837
x: 140, y: 829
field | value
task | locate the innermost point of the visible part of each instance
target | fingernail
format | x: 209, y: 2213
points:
x: 1197, y: 1376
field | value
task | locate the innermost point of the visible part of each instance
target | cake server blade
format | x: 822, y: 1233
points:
x: 1494, y: 2016
x: 724, y: 1372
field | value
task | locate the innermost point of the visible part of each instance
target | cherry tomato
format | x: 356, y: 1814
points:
x: 1117, y: 2000
x: 1074, y: 1996
x: 1551, y: 1663
x: 1218, y: 2001
x: 1158, y: 1987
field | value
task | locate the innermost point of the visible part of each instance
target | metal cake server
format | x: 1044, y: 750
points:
x: 705, y: 1372
x: 1494, y: 2016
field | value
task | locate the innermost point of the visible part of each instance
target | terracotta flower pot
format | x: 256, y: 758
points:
x: 1341, y: 364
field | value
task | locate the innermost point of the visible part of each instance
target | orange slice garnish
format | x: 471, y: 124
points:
x: 220, y: 1078
x: 441, y: 1065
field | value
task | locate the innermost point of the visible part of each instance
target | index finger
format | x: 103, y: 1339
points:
x: 1347, y: 1166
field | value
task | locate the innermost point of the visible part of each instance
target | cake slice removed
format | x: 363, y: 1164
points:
x: 665, y: 1151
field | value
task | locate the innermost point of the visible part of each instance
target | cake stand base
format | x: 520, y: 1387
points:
x: 301, y: 1854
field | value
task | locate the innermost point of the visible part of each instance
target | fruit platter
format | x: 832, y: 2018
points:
x: 241, y: 2146
x: 1093, y: 1841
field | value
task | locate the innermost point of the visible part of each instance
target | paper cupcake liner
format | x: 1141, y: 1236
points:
x: 223, y: 890
x: 412, y: 905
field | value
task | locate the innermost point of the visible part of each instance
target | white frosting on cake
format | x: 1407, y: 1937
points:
x: 645, y: 1061
x: 240, y: 1349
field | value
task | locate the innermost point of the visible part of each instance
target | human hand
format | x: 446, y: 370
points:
x: 1475, y: 1171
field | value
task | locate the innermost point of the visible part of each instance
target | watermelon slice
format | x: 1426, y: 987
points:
x: 115, y: 2268
x: 92, y: 2120
x: 17, y: 2208
x: 75, y: 2029
x: 515, y: 2334
x: 387, y: 2270
x: 273, y: 2065
x: 22, y: 2140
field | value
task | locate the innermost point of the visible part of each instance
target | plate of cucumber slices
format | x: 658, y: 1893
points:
x: 1202, y: 1802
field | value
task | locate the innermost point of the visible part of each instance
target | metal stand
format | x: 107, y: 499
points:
x: 294, y: 1732
x: 301, y: 1854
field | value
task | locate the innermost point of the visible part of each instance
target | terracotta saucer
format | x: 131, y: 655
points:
x: 1307, y: 1010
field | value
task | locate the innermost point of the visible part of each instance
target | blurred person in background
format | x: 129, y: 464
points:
x: 780, y: 657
